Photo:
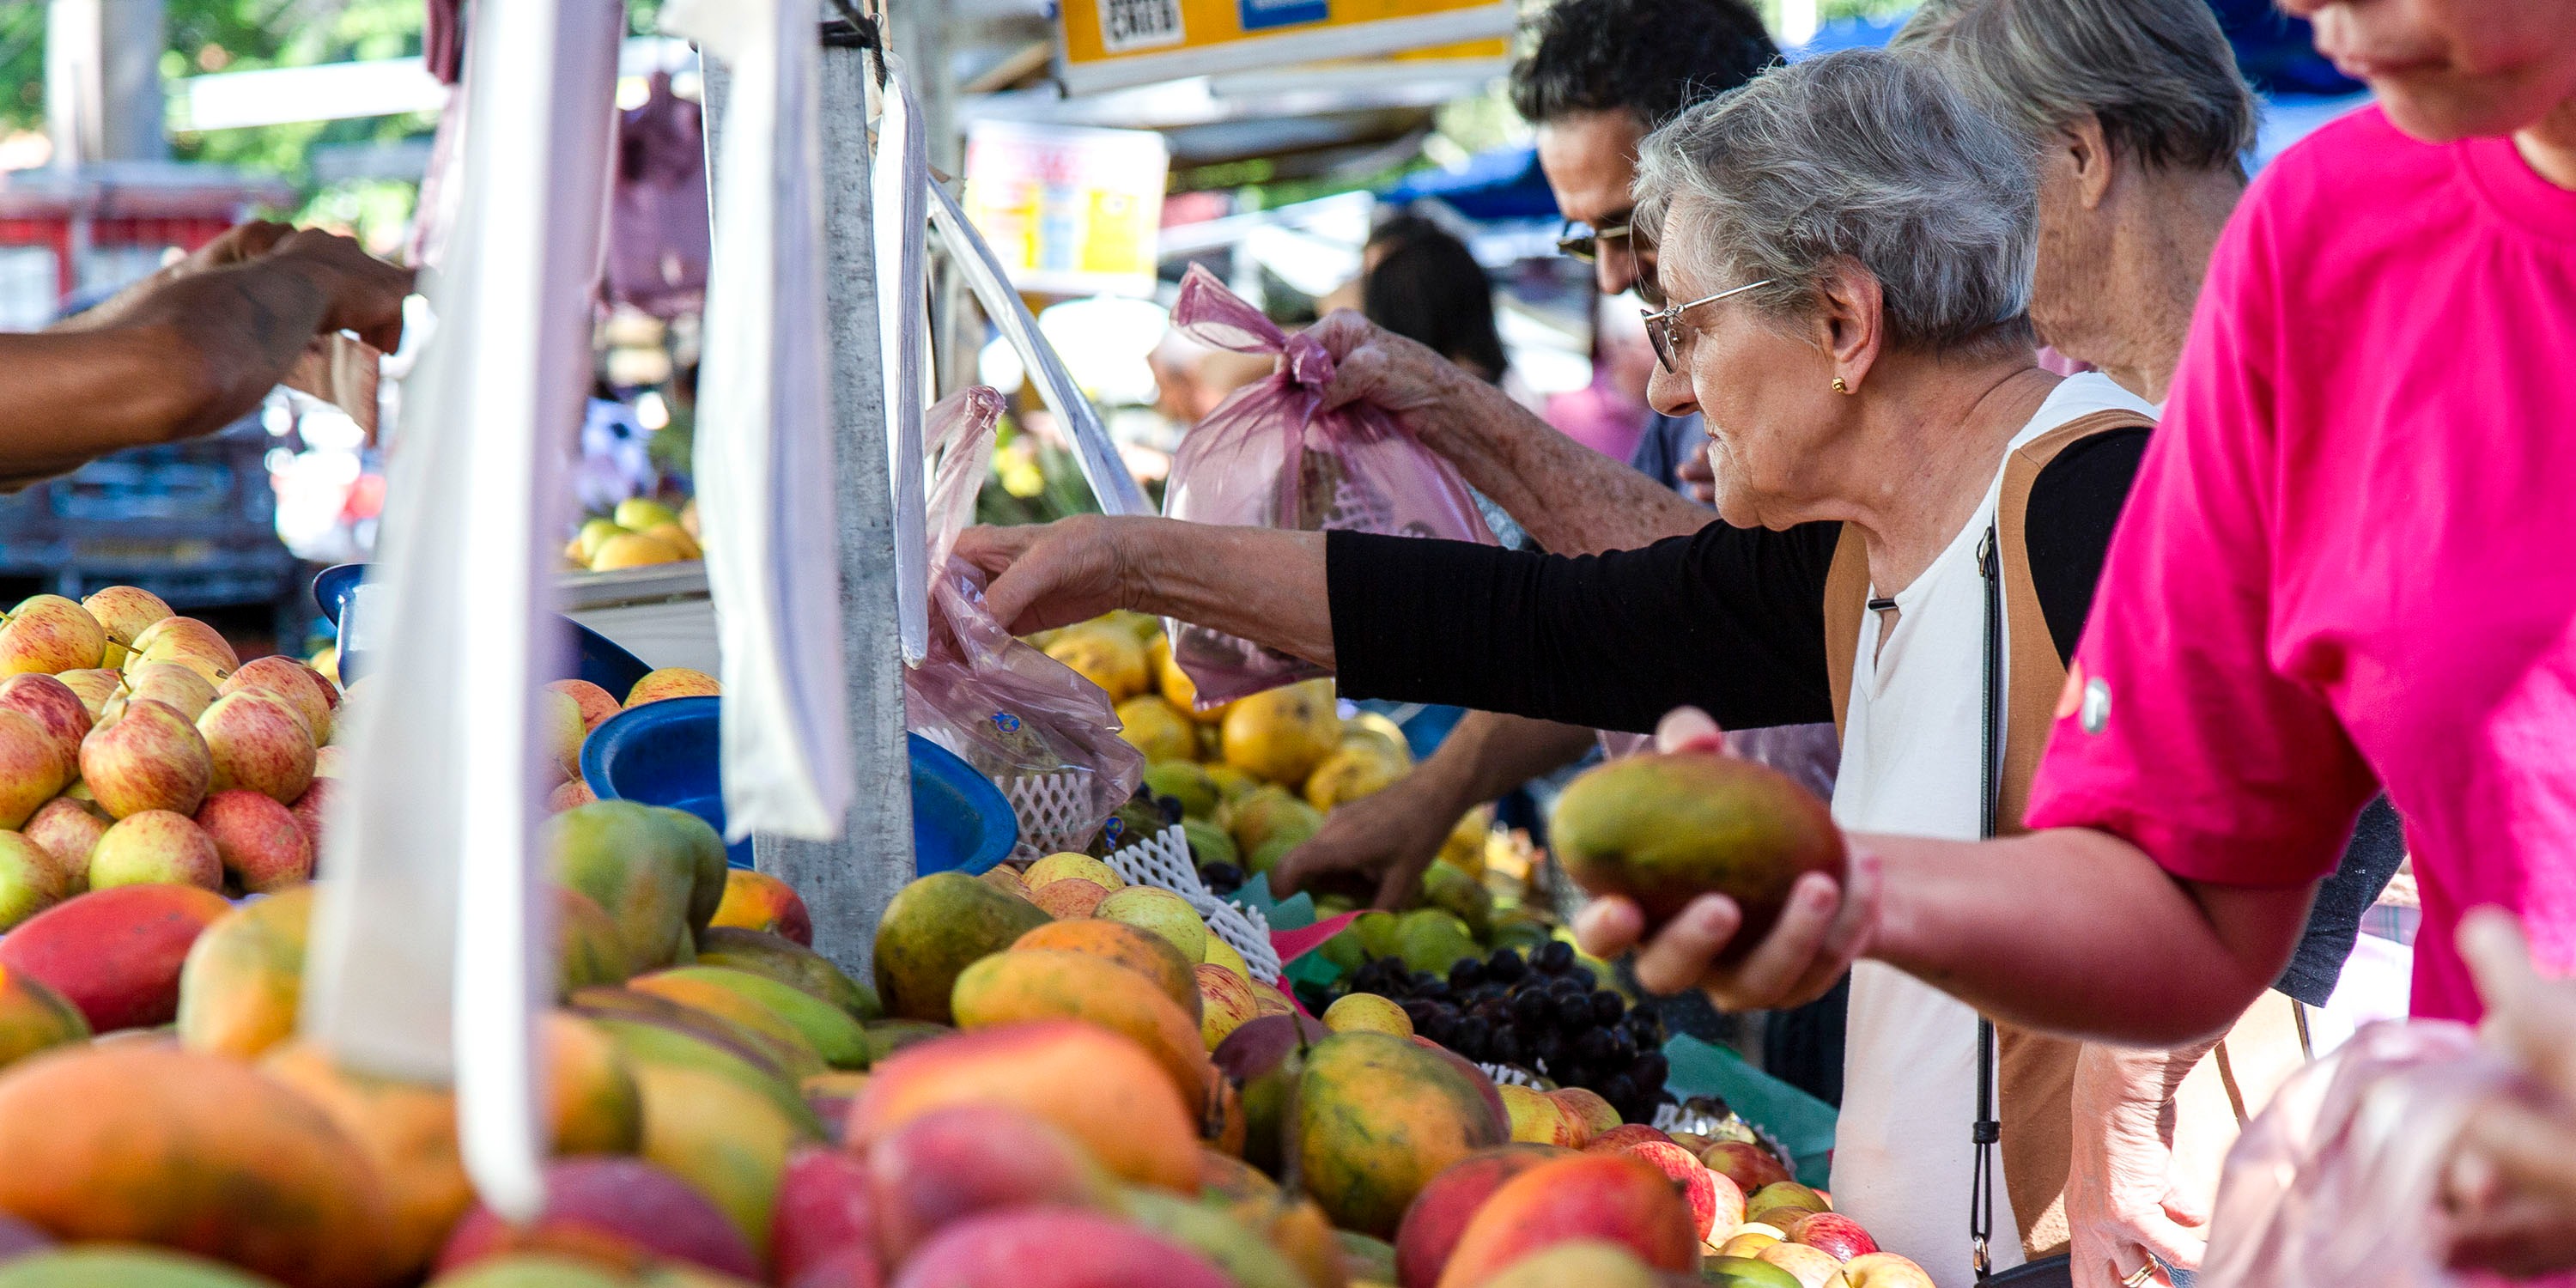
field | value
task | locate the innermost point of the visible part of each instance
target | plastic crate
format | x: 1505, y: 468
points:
x: 192, y: 522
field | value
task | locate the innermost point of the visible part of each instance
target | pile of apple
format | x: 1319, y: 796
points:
x: 136, y: 747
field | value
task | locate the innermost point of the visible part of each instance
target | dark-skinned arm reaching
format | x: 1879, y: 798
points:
x: 191, y: 349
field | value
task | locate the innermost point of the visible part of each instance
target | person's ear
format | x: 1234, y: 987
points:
x: 1850, y: 324
x: 2089, y: 150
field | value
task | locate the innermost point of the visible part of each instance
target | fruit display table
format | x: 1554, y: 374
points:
x: 660, y: 613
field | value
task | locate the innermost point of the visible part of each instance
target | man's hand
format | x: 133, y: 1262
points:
x: 2512, y: 1183
x: 1389, y: 837
x: 362, y: 293
x: 2123, y: 1201
x: 1049, y: 575
x: 1825, y: 927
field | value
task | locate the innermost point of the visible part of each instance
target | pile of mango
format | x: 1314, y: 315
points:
x: 640, y: 532
x: 1254, y: 778
x: 1098, y: 1098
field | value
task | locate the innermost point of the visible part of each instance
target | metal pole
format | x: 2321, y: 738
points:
x: 847, y: 883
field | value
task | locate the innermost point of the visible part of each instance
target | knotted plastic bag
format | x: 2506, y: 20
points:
x: 1032, y: 724
x: 2336, y: 1184
x: 1271, y: 456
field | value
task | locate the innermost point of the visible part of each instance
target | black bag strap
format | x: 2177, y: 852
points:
x: 1986, y: 1131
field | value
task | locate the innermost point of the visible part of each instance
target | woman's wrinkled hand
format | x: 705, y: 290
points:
x: 1822, y: 930
x: 1370, y: 363
x: 1054, y: 574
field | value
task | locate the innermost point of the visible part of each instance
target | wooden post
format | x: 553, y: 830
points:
x: 847, y: 883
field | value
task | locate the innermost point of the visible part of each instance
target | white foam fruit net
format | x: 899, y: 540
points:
x: 1054, y: 810
x: 1163, y: 861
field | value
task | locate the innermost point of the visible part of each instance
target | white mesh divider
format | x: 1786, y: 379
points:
x: 1052, y: 808
x: 1163, y: 861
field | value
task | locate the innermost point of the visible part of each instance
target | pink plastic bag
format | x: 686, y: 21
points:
x: 2336, y: 1184
x: 1270, y: 457
x: 1004, y: 707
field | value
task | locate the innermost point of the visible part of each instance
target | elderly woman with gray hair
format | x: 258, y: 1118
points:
x: 1912, y: 512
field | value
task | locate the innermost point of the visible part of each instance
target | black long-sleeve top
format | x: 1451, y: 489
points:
x: 1730, y: 620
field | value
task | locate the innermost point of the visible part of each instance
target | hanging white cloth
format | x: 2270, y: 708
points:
x: 432, y: 950
x: 764, y: 463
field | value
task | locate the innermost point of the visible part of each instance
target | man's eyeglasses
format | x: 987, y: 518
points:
x: 1585, y: 243
x: 1660, y: 323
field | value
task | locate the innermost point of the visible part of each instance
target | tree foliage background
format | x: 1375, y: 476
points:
x: 203, y: 37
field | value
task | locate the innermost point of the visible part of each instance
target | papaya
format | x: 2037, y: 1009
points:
x: 103, y: 1265
x: 774, y: 1062
x: 622, y: 1213
x: 830, y: 1031
x: 933, y: 930
x: 589, y: 949
x: 1376, y: 1117
x: 149, y: 1143
x: 885, y: 1037
x: 1137, y: 949
x: 727, y: 1142
x: 759, y: 901
x: 591, y: 1098
x: 534, y: 1270
x: 788, y: 962
x: 1212, y: 1233
x: 1664, y: 828
x: 636, y: 865
x: 34, y: 1017
x: 709, y: 872
x: 1099, y: 1087
x: 1038, y: 984
x: 682, y: 985
x: 648, y: 1029
x: 407, y: 1130
x: 115, y: 953
x: 244, y: 977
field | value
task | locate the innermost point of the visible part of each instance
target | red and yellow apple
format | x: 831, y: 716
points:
x: 123, y: 612
x: 156, y: 847
x: 257, y: 741
x: 46, y: 634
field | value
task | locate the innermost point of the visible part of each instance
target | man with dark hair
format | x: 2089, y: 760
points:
x: 1599, y: 75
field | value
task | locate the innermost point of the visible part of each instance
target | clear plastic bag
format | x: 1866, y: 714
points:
x: 2336, y: 1184
x: 1271, y: 457
x: 1011, y: 711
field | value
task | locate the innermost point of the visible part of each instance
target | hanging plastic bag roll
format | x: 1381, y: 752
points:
x: 899, y: 184
x: 1011, y: 711
x: 1093, y: 451
x: 764, y: 460
x: 1272, y: 456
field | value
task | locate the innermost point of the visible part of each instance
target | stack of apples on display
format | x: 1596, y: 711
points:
x: 137, y: 749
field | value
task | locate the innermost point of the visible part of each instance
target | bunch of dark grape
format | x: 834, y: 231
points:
x: 1222, y: 878
x: 1541, y: 1014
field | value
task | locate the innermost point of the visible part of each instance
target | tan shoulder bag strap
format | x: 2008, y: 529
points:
x: 2037, y: 676
x: 2034, y: 1072
x: 1846, y: 602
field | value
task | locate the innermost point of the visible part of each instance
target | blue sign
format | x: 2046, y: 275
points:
x: 1261, y: 15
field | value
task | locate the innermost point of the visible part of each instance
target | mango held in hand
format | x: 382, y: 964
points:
x: 1664, y: 828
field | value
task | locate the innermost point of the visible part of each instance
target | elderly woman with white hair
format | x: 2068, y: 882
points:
x: 1912, y: 513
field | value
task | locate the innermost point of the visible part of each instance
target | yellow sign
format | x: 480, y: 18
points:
x: 1068, y: 211
x: 1106, y: 44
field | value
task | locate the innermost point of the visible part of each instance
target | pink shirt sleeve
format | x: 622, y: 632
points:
x: 2181, y: 731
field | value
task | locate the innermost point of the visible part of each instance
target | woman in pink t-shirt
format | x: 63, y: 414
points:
x: 2345, y: 567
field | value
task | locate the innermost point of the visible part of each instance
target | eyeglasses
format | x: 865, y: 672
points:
x: 1660, y: 322
x: 1586, y: 245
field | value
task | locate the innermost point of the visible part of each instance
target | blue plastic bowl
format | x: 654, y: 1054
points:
x: 666, y: 753
x: 600, y: 660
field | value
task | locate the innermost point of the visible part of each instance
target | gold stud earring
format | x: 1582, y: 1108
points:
x: 1840, y: 387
